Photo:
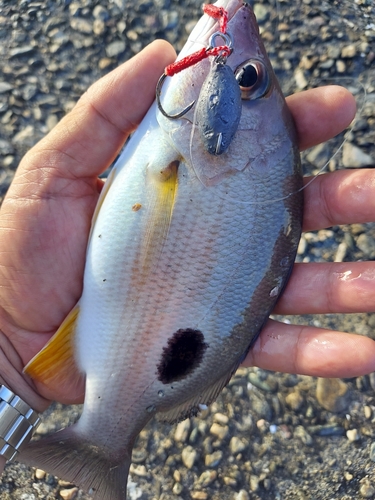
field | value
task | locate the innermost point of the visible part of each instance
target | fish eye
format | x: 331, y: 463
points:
x: 253, y: 78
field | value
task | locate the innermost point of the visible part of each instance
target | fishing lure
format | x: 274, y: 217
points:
x: 219, y: 107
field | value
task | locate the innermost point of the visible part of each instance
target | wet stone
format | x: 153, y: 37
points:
x: 372, y: 452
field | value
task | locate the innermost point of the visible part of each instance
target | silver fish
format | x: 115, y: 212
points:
x: 189, y: 251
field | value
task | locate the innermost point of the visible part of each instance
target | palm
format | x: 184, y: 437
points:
x: 47, y: 235
x: 45, y: 221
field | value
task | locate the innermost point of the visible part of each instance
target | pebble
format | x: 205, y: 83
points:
x: 367, y: 411
x: 199, y: 495
x: 300, y: 79
x: 81, y: 25
x: 355, y: 157
x: 241, y: 495
x: 301, y: 433
x: 295, y: 400
x: 332, y: 394
x: 254, y: 483
x: 237, y: 445
x: 261, y: 12
x: 206, y: 478
x: 220, y: 418
x: 219, y: 431
x: 372, y: 452
x: 182, y: 431
x: 267, y: 385
x: 40, y: 474
x: 348, y: 52
x: 25, y: 134
x: 5, y: 87
x: 189, y: 455
x: 367, y: 490
x: 99, y: 12
x: 353, y: 435
x: 366, y: 244
x: 177, y: 488
x: 114, y: 49
x: 69, y: 494
x: 213, y: 459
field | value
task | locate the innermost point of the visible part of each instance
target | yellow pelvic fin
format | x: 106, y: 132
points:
x: 55, y: 362
x: 162, y: 192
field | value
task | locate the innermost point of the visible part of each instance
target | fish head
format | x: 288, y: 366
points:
x: 264, y: 133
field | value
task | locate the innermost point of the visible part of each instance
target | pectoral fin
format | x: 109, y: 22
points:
x: 53, y: 365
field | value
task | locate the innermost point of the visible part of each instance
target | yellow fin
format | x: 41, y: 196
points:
x: 162, y: 193
x: 55, y: 362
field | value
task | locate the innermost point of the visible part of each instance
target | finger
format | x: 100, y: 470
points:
x: 312, y: 351
x: 88, y: 139
x: 323, y: 288
x: 321, y: 113
x: 341, y: 197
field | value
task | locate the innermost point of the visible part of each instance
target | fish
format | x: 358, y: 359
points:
x: 192, y: 242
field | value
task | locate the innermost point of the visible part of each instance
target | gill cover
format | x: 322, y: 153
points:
x: 218, y: 110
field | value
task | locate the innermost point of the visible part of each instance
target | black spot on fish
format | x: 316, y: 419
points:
x: 183, y: 353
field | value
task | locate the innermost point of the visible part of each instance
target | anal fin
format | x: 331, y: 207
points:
x: 191, y: 407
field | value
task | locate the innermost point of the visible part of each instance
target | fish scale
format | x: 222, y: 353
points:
x: 177, y: 289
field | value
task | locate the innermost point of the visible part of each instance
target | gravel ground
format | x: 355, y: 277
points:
x: 268, y: 436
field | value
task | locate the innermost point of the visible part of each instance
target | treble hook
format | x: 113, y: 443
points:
x: 161, y: 109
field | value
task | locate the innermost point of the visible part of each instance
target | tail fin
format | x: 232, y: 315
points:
x: 66, y: 455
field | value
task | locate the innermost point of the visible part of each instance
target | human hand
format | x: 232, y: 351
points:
x: 45, y: 222
x: 340, y: 197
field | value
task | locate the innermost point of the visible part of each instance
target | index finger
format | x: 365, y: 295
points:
x: 321, y: 113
